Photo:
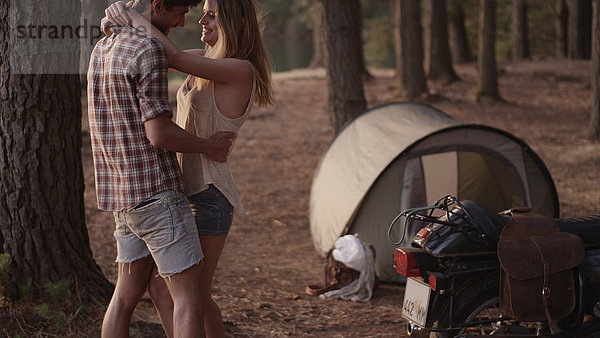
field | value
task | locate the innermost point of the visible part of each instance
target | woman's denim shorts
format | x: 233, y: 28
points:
x: 212, y: 211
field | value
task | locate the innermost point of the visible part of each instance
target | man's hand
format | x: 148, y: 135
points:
x: 220, y: 146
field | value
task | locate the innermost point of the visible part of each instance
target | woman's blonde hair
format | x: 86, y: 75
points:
x: 240, y: 37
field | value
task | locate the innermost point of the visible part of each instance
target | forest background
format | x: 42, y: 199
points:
x: 45, y: 220
x: 289, y: 30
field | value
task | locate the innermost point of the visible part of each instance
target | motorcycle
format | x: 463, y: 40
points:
x: 452, y: 274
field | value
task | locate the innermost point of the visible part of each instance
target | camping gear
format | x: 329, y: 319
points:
x: 403, y: 155
x: 337, y: 275
x: 455, y: 286
x: 349, y: 271
x: 537, y: 262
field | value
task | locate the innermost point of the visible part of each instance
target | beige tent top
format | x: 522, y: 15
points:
x: 404, y: 155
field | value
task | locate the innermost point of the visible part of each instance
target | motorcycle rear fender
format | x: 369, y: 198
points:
x: 439, y: 304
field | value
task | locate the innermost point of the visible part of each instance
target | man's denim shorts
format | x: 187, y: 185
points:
x: 212, y: 211
x: 162, y: 226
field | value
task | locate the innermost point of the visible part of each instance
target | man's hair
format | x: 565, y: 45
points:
x: 172, y: 3
x: 168, y: 3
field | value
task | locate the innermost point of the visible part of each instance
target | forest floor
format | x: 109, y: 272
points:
x: 270, y: 258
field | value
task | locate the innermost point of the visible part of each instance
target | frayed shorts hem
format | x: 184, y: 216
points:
x: 178, y: 271
x: 128, y: 260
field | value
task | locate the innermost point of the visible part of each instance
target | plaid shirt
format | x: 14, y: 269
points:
x: 127, y: 85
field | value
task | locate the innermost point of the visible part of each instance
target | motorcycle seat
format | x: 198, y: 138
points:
x: 490, y: 222
x: 588, y: 228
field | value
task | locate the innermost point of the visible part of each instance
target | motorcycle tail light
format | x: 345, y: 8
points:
x: 439, y: 281
x: 405, y: 263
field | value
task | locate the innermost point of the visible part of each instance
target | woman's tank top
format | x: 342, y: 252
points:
x: 198, y: 114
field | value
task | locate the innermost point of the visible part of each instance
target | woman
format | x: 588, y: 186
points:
x: 225, y: 80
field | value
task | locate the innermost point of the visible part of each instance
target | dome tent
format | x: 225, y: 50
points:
x: 404, y: 155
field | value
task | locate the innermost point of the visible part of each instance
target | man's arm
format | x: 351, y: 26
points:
x: 164, y: 133
x: 156, y: 114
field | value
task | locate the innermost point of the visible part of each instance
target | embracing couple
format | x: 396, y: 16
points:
x: 165, y: 178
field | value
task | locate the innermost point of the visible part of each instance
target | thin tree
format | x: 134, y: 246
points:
x: 580, y: 28
x: 343, y: 60
x: 520, y: 34
x: 594, y: 126
x: 439, y: 63
x: 42, y: 218
x: 561, y: 27
x: 459, y: 43
x: 486, y: 56
x: 408, y: 34
x: 318, y: 58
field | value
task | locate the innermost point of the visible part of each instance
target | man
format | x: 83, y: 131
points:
x: 137, y: 174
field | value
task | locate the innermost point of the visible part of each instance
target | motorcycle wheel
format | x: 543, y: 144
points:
x: 479, y: 302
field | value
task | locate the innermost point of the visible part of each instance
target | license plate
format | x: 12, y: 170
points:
x: 416, y: 301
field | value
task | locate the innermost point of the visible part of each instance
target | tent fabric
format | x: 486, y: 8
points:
x: 404, y: 155
x: 356, y: 158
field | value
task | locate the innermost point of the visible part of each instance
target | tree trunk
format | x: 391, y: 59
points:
x: 580, y: 27
x: 318, y: 58
x: 594, y: 127
x: 409, y: 49
x: 561, y: 26
x: 427, y: 43
x: 92, y: 11
x: 520, y: 37
x: 343, y: 59
x: 42, y: 215
x: 361, y: 55
x: 440, y: 59
x: 486, y: 58
x: 459, y: 43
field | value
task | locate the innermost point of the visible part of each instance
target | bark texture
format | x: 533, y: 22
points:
x: 344, y: 61
x: 459, y: 43
x: 42, y: 215
x: 409, y: 49
x: 520, y: 35
x: 440, y: 59
x: 486, y: 59
x: 594, y: 126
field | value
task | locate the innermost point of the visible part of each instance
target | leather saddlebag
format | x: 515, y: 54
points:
x: 537, y: 261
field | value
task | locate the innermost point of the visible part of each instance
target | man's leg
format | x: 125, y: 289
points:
x: 212, y: 246
x: 161, y: 298
x: 187, y: 310
x: 131, y: 285
x: 168, y: 229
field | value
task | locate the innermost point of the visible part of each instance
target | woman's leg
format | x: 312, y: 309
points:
x: 159, y: 293
x: 214, y: 215
x: 212, y: 245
